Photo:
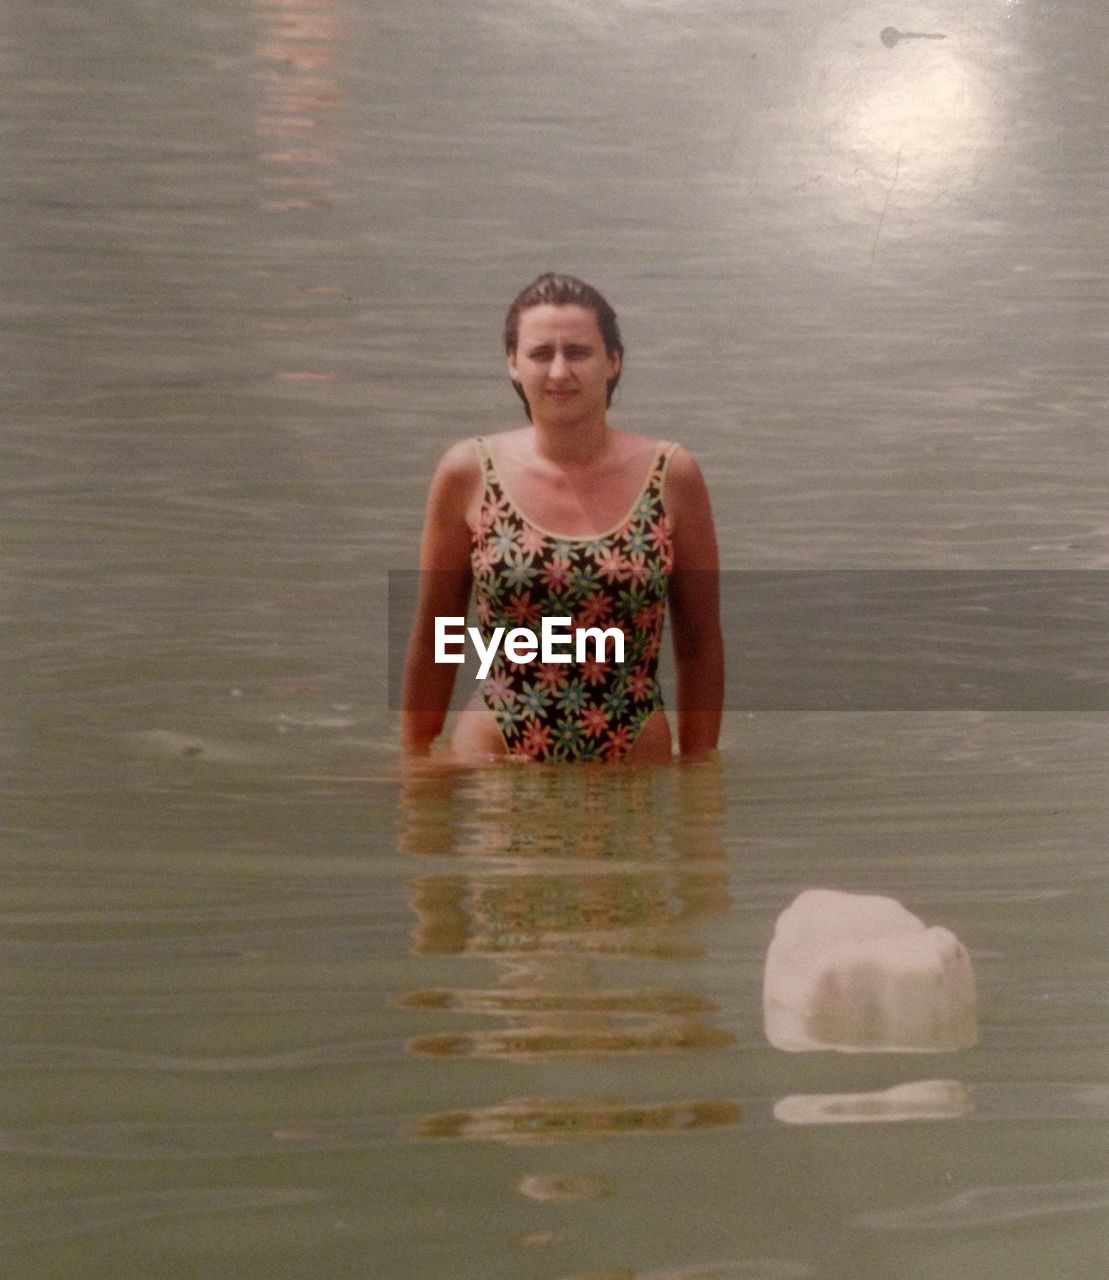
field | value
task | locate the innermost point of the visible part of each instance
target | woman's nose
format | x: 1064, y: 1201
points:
x: 559, y: 365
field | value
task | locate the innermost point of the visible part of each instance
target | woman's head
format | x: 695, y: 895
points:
x: 553, y: 289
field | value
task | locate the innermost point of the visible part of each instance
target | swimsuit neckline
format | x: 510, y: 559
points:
x: 664, y: 450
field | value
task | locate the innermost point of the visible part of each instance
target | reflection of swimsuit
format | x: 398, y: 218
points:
x: 595, y: 709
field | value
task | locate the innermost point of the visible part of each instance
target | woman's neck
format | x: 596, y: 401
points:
x: 569, y: 445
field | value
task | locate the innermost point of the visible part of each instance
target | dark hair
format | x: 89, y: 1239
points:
x: 557, y: 290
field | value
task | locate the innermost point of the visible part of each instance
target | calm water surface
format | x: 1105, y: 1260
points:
x: 271, y: 1007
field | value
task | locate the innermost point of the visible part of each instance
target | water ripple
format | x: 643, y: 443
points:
x: 995, y: 1206
x: 86, y: 1215
x: 190, y: 1140
x: 94, y: 1058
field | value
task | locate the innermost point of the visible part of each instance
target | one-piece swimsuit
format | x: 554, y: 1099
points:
x: 573, y: 711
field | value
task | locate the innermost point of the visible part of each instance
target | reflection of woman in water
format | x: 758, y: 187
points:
x: 634, y: 529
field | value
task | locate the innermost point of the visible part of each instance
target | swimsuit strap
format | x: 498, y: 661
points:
x: 662, y: 465
x: 485, y: 458
x: 491, y: 484
x: 651, y: 493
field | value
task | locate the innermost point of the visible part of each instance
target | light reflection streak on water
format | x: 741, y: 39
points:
x: 298, y: 100
x: 299, y: 125
x: 562, y: 873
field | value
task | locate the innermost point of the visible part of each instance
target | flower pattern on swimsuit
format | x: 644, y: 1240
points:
x: 568, y: 711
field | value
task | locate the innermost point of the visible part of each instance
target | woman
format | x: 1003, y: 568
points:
x: 633, y: 529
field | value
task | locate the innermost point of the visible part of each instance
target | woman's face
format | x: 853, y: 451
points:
x: 561, y: 363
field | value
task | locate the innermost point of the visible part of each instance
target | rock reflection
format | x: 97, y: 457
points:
x: 561, y: 877
x: 917, y: 1100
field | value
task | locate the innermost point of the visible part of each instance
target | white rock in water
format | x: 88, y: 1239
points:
x: 857, y: 972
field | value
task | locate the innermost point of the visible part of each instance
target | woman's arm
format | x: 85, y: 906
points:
x: 695, y: 608
x: 444, y: 590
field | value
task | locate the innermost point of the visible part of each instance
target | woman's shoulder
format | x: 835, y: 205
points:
x: 457, y: 477
x: 682, y: 466
x: 680, y: 463
x: 685, y: 487
x: 460, y: 462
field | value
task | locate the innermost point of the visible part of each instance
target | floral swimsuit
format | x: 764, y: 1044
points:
x: 595, y: 709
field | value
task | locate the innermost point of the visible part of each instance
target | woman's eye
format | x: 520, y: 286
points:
x: 542, y: 355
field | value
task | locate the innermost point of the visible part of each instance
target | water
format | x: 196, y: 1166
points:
x: 270, y: 1007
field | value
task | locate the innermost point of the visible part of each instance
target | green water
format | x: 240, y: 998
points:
x: 508, y: 1022
x: 271, y: 1007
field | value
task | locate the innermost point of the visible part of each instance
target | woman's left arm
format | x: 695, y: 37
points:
x: 695, y: 608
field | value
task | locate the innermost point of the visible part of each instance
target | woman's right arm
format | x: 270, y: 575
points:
x: 695, y: 609
x: 443, y: 590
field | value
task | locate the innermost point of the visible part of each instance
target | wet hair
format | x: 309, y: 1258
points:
x: 557, y: 290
